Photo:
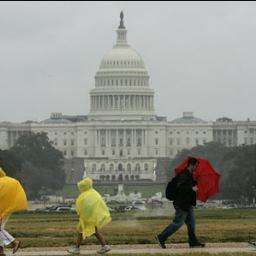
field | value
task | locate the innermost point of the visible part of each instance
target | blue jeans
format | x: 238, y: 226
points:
x: 180, y: 218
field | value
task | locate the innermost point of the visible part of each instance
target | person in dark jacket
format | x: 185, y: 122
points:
x: 184, y: 201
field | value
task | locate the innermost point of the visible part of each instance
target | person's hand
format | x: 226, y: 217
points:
x: 195, y: 188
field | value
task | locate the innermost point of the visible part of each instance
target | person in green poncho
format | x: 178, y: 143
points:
x: 93, y: 215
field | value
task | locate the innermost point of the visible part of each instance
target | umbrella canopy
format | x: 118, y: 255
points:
x: 206, y: 177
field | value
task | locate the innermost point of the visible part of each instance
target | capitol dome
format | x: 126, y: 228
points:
x: 122, y: 84
x: 122, y: 57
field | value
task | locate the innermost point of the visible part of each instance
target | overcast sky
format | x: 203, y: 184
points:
x: 201, y: 56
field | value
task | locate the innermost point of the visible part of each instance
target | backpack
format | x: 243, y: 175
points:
x: 170, y: 191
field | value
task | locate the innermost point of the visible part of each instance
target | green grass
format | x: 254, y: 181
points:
x: 37, y: 230
x: 186, y: 254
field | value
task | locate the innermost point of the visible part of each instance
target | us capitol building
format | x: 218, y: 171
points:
x: 122, y: 138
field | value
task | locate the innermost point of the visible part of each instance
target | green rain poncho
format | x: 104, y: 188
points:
x: 91, y: 208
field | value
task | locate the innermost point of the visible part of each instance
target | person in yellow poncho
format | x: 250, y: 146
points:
x: 12, y: 199
x: 93, y: 215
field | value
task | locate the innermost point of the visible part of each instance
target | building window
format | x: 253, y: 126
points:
x: 85, y: 141
x: 204, y: 140
x: 156, y: 141
x: 178, y: 141
x: 64, y: 142
x: 138, y: 142
x: 187, y: 140
x: 103, y: 152
x: 197, y: 141
x: 156, y: 151
x: 170, y: 141
x: 72, y: 142
x: 137, y: 167
x: 72, y: 153
x: 171, y: 152
x: 121, y: 152
x: 65, y: 152
x: 139, y: 152
x: 113, y: 152
x: 85, y: 152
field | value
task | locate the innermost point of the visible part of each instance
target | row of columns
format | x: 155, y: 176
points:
x: 104, y: 137
x: 122, y: 82
x: 122, y: 102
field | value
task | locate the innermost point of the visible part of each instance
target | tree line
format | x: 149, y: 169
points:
x: 36, y: 163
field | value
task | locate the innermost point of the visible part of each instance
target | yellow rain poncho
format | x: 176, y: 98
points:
x: 12, y: 195
x: 91, y: 208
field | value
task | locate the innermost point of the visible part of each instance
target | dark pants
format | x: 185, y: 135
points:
x: 180, y: 218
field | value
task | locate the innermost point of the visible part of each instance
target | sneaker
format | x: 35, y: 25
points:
x: 104, y: 249
x: 197, y: 245
x: 74, y: 250
x: 161, y: 243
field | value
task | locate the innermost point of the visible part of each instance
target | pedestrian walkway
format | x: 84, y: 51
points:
x: 150, y: 249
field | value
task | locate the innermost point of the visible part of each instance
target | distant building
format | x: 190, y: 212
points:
x: 122, y: 139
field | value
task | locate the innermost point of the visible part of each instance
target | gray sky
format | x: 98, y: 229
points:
x: 200, y: 55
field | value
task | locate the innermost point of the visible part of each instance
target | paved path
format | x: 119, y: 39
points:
x: 150, y: 249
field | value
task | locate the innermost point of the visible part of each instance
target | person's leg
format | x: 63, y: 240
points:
x: 1, y: 250
x: 191, y: 224
x: 76, y: 249
x: 100, y: 237
x: 79, y: 240
x: 6, y: 238
x: 178, y: 221
x: 104, y: 247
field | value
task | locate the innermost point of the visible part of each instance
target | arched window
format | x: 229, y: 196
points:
x: 129, y: 168
x: 120, y: 167
x: 137, y: 167
x: 146, y: 167
x: 102, y: 167
x: 111, y: 167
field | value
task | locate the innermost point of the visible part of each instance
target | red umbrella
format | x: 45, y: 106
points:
x: 206, y: 177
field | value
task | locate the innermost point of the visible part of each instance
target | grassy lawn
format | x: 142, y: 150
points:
x: 185, y: 254
x: 39, y: 230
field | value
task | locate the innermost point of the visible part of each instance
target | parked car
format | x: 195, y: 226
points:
x: 63, y: 209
